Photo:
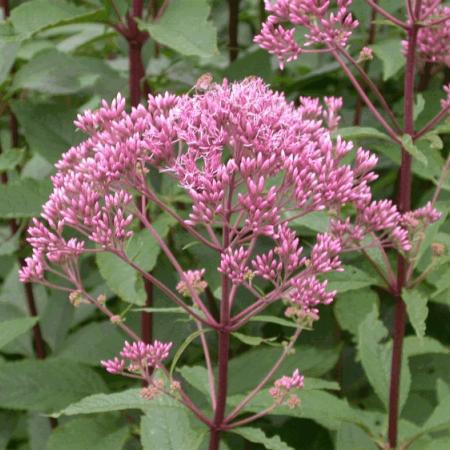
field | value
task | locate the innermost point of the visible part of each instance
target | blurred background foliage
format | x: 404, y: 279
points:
x: 60, y: 57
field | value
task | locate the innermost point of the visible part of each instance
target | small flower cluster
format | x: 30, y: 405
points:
x: 283, y: 386
x: 433, y: 40
x: 325, y: 26
x: 138, y: 357
x: 193, y: 279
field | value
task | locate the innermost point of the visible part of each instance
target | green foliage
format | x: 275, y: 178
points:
x: 184, y: 27
x: 11, y: 329
x: 258, y: 436
x: 416, y: 307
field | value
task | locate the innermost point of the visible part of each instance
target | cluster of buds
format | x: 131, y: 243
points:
x: 325, y: 26
x: 193, y: 279
x: 137, y: 358
x: 281, y: 390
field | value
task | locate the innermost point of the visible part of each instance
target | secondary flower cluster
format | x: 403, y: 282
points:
x: 433, y: 38
x: 250, y: 161
x: 282, y: 389
x: 138, y: 357
x: 325, y: 25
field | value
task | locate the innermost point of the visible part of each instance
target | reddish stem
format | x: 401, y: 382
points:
x: 404, y: 204
x: 233, y: 28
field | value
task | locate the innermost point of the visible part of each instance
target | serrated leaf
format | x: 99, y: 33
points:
x: 350, y: 279
x: 376, y: 355
x: 143, y: 250
x: 252, y: 340
x: 167, y: 425
x: 36, y: 15
x: 23, y: 198
x: 352, y: 437
x: 46, y: 385
x: 87, y: 433
x: 11, y: 158
x: 389, y: 51
x: 274, y: 319
x: 417, y: 309
x: 185, y: 27
x: 101, y: 403
x: 48, y: 127
x: 8, y: 50
x: 92, y: 343
x: 351, y: 307
x: 259, y: 437
x: 12, y: 329
x: 412, y: 149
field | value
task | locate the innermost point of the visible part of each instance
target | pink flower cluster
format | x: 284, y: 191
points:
x: 250, y: 160
x: 433, y: 40
x: 324, y: 25
x: 284, y: 385
x: 138, y: 357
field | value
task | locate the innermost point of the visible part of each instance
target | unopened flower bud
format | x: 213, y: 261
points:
x: 116, y: 319
x: 437, y: 249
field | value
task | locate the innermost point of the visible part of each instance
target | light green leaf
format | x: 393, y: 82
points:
x: 413, y: 346
x: 8, y: 50
x: 184, y: 27
x: 352, y: 437
x: 354, y: 133
x: 143, y: 250
x: 167, y: 425
x: 376, y: 358
x: 101, y: 403
x: 48, y: 127
x: 317, y: 221
x: 87, y: 433
x: 50, y: 72
x: 389, y: 51
x: 439, y: 444
x: 36, y: 15
x: 23, y: 198
x: 413, y: 150
x: 11, y: 158
x: 259, y: 437
x: 11, y: 329
x: 38, y: 430
x: 417, y: 309
x: 46, y: 385
x: 419, y: 105
x: 196, y: 376
x: 350, y: 308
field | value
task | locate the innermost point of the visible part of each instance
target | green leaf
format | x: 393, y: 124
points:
x: 87, y: 433
x: 92, y: 343
x: 196, y: 376
x: 36, y: 15
x: 101, y: 403
x: 413, y: 346
x: 352, y: 437
x: 439, y: 444
x: 375, y: 357
x: 11, y: 329
x: 11, y: 158
x: 50, y: 72
x: 389, y: 51
x: 354, y: 133
x: 440, y: 417
x: 417, y: 309
x: 350, y: 279
x: 316, y: 221
x: 252, y: 340
x: 419, y: 105
x: 412, y: 149
x: 350, y: 308
x: 184, y: 346
x: 8, y: 50
x: 184, y: 27
x: 46, y: 385
x: 48, y: 127
x: 274, y: 319
x: 259, y: 437
x: 143, y: 250
x: 167, y: 425
x: 23, y: 198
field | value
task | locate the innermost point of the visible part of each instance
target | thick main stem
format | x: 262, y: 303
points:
x: 223, y: 355
x: 404, y: 204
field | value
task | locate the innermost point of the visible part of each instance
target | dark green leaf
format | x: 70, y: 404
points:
x: 259, y: 437
x: 417, y: 309
x: 11, y: 158
x: 11, y: 329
